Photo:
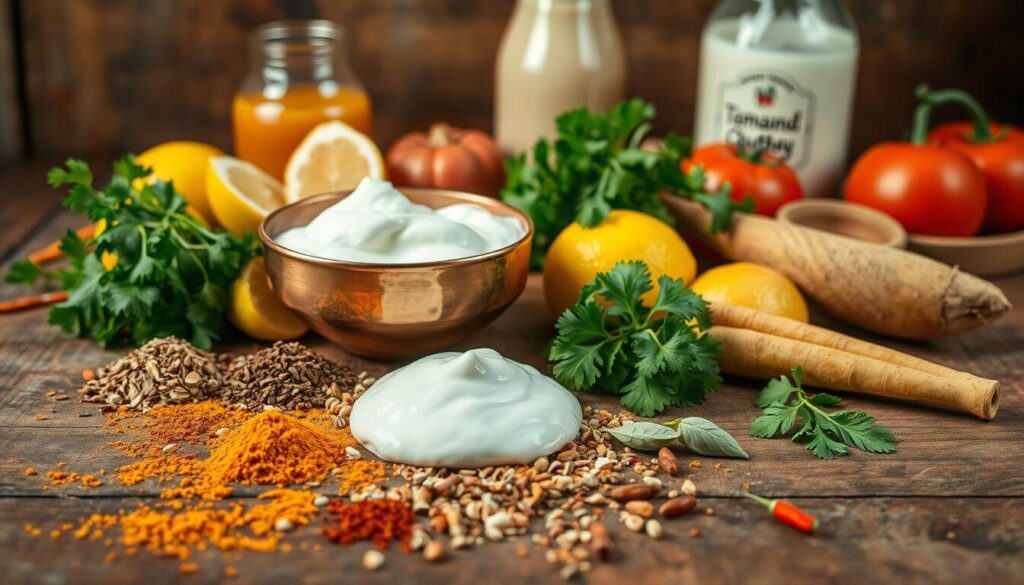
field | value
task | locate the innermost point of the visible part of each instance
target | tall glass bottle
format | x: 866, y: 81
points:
x: 556, y: 55
x: 780, y: 75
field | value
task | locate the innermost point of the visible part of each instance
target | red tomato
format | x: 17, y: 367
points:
x: 761, y: 175
x: 1001, y: 161
x: 930, y: 190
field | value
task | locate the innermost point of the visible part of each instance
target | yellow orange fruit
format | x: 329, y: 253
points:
x: 578, y: 254
x: 241, y: 194
x: 256, y: 311
x: 755, y: 286
x: 332, y: 157
x: 183, y: 163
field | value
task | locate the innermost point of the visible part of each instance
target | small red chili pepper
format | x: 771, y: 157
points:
x: 786, y: 512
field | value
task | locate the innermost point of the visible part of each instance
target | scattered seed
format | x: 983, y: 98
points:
x: 373, y: 560
x: 653, y: 529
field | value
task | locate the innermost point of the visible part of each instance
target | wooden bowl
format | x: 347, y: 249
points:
x: 980, y: 255
x: 845, y: 219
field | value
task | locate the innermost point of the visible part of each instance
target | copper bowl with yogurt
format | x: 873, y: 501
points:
x: 396, y: 310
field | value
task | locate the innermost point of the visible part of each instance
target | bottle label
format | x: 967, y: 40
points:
x: 769, y: 111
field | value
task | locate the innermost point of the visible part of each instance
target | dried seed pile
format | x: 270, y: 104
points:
x: 287, y: 376
x: 571, y: 490
x: 164, y: 371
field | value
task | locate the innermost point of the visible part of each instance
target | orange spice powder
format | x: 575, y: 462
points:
x: 275, y: 448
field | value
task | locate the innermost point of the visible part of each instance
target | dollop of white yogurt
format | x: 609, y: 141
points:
x: 377, y: 224
x: 460, y: 410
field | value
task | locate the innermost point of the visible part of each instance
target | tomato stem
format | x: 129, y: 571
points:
x: 982, y: 126
x: 754, y: 155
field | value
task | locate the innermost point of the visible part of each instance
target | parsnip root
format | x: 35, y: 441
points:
x: 881, y: 289
x: 762, y: 346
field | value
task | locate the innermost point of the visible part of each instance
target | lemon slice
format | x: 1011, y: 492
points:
x: 256, y: 311
x: 333, y: 156
x: 240, y: 194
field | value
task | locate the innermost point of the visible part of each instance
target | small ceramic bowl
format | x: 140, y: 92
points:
x: 396, y: 310
x: 845, y: 219
x: 979, y: 255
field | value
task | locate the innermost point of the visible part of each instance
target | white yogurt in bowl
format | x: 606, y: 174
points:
x: 377, y: 224
x: 461, y: 410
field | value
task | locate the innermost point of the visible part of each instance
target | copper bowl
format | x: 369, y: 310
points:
x: 396, y: 310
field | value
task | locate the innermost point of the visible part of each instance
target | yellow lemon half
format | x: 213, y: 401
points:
x: 241, y: 194
x: 578, y: 254
x: 754, y: 286
x: 184, y: 164
x: 333, y: 156
x: 256, y: 311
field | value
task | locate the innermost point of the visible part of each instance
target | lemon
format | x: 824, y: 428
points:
x: 333, y: 156
x: 754, y: 286
x: 241, y: 194
x: 256, y: 311
x: 184, y: 164
x: 578, y: 254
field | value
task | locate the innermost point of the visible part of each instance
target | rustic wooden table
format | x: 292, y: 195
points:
x: 948, y: 507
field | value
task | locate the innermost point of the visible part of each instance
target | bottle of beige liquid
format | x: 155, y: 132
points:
x: 556, y: 55
x: 779, y: 75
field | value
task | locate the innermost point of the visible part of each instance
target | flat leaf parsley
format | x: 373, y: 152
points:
x: 652, y: 357
x: 826, y: 434
x: 598, y: 163
x: 154, y: 271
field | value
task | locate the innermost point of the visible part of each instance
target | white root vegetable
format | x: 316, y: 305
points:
x: 881, y: 289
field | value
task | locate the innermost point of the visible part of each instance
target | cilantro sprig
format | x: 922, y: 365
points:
x: 826, y: 434
x: 597, y: 164
x: 653, y: 357
x: 154, y: 271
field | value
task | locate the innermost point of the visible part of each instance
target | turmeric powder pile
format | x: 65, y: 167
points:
x: 173, y: 529
x: 275, y: 448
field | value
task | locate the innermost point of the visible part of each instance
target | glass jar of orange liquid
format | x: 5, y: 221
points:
x: 298, y: 78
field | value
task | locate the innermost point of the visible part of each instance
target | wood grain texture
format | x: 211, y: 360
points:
x: 883, y: 540
x: 948, y: 507
x: 11, y: 130
x: 115, y: 75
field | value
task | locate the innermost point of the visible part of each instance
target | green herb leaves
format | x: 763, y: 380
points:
x: 154, y: 271
x: 597, y: 164
x: 827, y: 435
x: 643, y: 436
x: 652, y: 357
x: 706, y: 438
x: 694, y: 433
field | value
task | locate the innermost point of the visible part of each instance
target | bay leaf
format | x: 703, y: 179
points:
x: 643, y: 436
x: 706, y: 438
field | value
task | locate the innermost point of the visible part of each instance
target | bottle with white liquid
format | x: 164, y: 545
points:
x: 779, y: 75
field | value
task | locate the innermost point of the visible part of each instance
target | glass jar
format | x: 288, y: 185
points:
x: 299, y: 77
x: 556, y: 55
x: 779, y: 75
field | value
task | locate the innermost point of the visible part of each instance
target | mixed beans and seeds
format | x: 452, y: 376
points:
x: 560, y: 503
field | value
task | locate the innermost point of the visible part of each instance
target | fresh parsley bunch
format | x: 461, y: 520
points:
x: 169, y: 274
x: 826, y: 434
x: 597, y: 164
x: 654, y: 357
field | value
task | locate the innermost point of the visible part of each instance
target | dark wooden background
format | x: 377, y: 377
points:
x: 99, y: 77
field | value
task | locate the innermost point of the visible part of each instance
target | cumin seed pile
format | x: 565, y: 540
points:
x: 164, y: 371
x: 286, y: 375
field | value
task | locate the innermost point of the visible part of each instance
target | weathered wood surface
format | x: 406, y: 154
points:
x: 908, y: 541
x: 947, y: 507
x: 108, y: 76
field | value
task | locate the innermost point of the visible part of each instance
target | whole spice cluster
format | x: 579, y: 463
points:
x: 163, y: 371
x: 285, y: 375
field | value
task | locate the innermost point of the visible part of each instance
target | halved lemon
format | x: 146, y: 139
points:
x: 241, y: 194
x: 256, y: 311
x: 333, y: 156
